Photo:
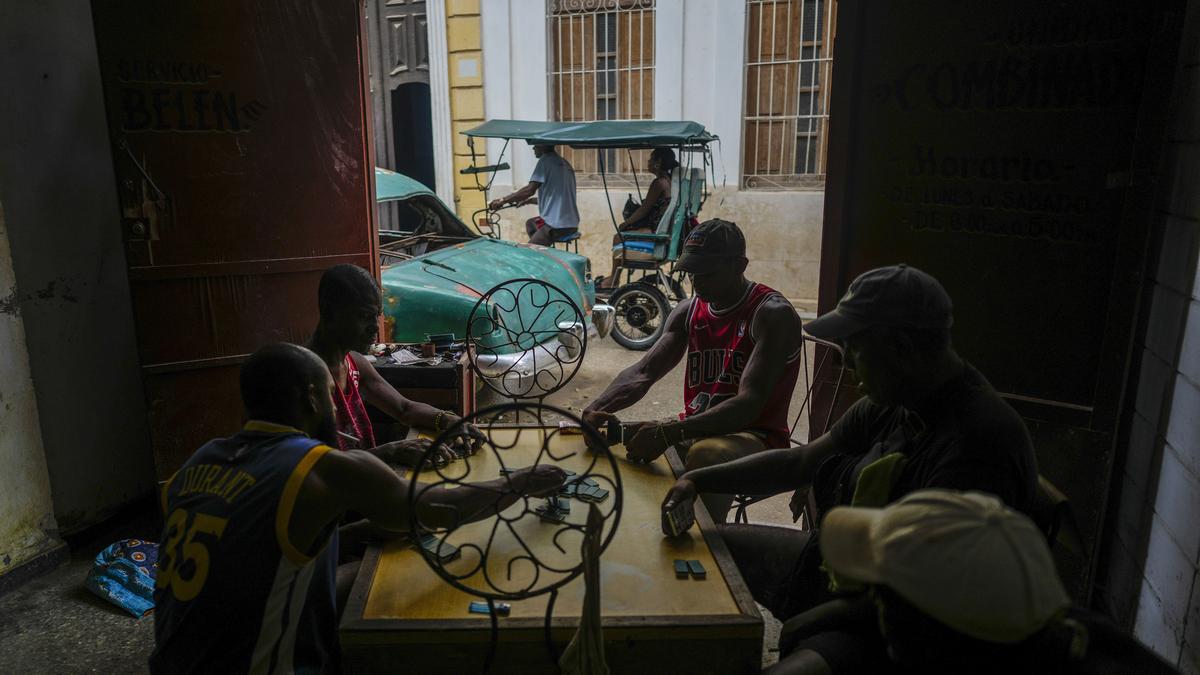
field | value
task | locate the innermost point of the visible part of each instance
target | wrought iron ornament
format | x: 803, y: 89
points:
x: 529, y: 337
x: 546, y: 556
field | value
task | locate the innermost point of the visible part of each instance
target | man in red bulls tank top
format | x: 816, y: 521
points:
x: 741, y: 340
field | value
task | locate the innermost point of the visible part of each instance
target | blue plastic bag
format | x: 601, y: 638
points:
x: 124, y: 575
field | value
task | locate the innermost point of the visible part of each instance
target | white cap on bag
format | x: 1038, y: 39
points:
x: 963, y: 558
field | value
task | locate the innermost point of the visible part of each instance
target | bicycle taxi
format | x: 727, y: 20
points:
x: 648, y: 284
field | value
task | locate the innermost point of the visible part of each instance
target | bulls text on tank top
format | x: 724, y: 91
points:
x: 719, y: 347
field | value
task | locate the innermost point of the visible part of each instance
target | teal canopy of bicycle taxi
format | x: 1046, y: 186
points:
x: 602, y: 134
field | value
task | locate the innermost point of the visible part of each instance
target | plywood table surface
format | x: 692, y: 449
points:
x: 399, y: 600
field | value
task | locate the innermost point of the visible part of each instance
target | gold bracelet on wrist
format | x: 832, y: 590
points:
x: 437, y: 420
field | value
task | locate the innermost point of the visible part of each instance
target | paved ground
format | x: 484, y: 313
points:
x: 54, y: 625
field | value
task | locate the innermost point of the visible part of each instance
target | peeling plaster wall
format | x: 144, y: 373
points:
x: 27, y: 525
x: 783, y: 233
x: 59, y: 195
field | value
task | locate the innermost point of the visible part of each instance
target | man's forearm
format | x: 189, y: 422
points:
x: 628, y: 388
x: 413, y: 413
x: 765, y: 473
x: 442, y: 507
x: 384, y: 453
x: 518, y: 196
x: 424, y: 416
x: 727, y: 417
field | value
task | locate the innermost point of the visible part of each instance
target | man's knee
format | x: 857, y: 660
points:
x: 541, y: 237
x: 718, y: 450
x: 704, y: 453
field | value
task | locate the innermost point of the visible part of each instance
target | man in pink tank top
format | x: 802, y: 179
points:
x: 741, y: 340
x: 350, y: 302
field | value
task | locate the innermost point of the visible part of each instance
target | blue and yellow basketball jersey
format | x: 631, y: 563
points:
x: 233, y: 595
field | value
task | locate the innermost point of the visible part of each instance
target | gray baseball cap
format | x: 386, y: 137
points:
x: 898, y: 296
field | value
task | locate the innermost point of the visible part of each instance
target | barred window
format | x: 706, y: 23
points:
x: 601, y: 68
x: 789, y: 54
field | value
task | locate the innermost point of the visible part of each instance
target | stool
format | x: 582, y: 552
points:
x: 569, y: 242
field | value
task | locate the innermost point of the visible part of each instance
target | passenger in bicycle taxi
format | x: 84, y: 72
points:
x: 742, y: 344
x: 553, y: 183
x: 247, y: 565
x: 646, y: 216
x: 928, y: 420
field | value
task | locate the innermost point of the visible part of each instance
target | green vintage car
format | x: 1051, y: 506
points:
x: 436, y: 268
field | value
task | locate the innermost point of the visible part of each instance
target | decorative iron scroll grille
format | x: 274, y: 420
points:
x: 529, y: 338
x: 547, y: 555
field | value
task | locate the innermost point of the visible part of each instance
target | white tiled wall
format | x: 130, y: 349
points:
x: 1150, y: 582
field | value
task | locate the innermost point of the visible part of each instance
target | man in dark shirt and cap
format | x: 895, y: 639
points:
x: 928, y: 420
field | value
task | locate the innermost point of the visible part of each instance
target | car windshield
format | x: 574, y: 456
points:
x: 423, y: 226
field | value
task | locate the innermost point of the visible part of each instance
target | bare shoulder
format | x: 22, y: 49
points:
x: 677, y: 319
x: 777, y: 323
x: 339, y: 466
x: 366, y: 368
x: 776, y: 312
x: 335, y: 467
x: 361, y: 362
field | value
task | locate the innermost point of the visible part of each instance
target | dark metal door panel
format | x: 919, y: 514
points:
x: 240, y: 138
x: 1012, y: 157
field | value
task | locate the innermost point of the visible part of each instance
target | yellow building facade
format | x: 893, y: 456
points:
x: 464, y: 48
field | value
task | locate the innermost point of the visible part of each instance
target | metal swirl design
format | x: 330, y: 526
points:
x: 529, y: 338
x: 559, y: 7
x: 546, y: 555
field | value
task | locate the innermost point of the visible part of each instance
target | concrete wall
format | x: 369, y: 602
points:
x: 699, y: 72
x: 59, y: 195
x: 784, y: 252
x: 1149, y: 580
x: 27, y: 526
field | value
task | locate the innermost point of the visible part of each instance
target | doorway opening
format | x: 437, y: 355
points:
x: 412, y: 133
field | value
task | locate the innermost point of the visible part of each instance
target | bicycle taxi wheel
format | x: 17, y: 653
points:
x: 640, y: 313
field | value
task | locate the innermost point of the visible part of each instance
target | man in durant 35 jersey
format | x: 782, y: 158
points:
x: 246, y: 580
x: 742, y: 344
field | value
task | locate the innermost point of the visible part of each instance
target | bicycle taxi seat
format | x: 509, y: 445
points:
x: 651, y: 249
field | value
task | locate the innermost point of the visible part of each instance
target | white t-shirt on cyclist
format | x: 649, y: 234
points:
x: 556, y: 196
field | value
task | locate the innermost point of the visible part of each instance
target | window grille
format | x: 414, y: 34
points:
x: 789, y: 56
x: 601, y: 68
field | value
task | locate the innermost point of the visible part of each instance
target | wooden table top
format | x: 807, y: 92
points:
x: 637, y: 571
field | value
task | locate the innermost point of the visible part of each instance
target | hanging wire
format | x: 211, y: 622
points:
x: 608, y: 200
x: 633, y: 170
